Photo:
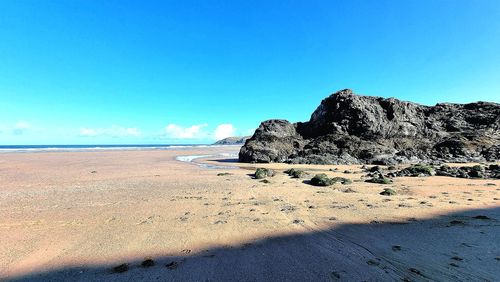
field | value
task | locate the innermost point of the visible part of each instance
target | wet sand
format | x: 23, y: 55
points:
x: 76, y: 215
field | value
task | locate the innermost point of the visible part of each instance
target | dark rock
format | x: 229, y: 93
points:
x: 273, y: 141
x: 417, y: 170
x: 484, y: 217
x: 352, y: 129
x: 120, y: 268
x: 477, y: 171
x: 295, y: 173
x: 148, y: 262
x: 396, y: 248
x: 388, y: 192
x: 380, y: 179
x: 322, y: 180
x: 262, y: 173
x: 342, y: 180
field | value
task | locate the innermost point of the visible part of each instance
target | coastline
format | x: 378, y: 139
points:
x: 99, y: 148
x: 76, y: 215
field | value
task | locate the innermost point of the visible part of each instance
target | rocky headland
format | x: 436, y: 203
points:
x: 237, y: 140
x: 348, y: 128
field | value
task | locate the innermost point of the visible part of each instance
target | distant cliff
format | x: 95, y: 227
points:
x: 232, y: 141
x: 351, y: 129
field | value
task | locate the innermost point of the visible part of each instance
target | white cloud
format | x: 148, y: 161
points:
x: 132, y: 131
x: 114, y: 131
x: 20, y: 127
x: 178, y: 132
x: 224, y: 130
x: 88, y: 132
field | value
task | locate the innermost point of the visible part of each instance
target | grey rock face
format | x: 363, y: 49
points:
x: 350, y: 129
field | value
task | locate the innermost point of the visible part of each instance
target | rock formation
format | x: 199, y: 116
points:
x: 232, y: 141
x: 351, y: 129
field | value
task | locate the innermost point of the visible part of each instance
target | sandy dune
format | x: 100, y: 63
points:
x: 75, y: 216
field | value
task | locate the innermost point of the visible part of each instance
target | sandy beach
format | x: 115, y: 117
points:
x: 76, y: 215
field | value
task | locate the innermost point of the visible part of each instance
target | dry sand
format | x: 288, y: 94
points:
x: 75, y: 215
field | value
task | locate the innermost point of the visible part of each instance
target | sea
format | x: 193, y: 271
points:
x: 75, y: 148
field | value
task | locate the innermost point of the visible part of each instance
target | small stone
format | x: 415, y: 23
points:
x: 396, y: 248
x: 484, y: 217
x: 388, y: 192
x: 121, y: 268
x: 262, y: 173
x: 148, y: 262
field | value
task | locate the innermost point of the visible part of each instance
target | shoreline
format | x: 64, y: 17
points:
x: 7, y: 149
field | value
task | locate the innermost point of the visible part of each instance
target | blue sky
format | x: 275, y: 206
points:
x: 127, y: 72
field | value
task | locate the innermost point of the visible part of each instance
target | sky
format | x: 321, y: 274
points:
x: 191, y: 72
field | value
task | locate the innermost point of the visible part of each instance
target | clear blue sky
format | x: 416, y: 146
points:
x: 111, y: 72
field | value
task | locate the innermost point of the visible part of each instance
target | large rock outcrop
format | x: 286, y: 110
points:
x: 350, y: 129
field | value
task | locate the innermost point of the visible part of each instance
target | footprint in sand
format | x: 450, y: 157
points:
x: 372, y: 262
x: 172, y: 265
x: 288, y: 209
x: 416, y: 271
x: 335, y: 275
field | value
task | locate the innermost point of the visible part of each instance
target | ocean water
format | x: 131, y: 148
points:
x: 75, y: 148
x: 192, y: 158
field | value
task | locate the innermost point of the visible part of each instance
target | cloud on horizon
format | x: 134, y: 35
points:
x: 224, y: 130
x: 113, y: 131
x: 198, y: 132
x: 20, y: 127
x: 175, y: 131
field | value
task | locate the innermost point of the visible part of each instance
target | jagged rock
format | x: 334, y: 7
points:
x: 350, y: 129
x: 477, y: 171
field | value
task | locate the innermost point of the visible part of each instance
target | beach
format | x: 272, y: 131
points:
x: 77, y: 215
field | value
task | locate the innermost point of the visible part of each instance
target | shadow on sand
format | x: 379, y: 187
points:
x: 234, y: 161
x: 463, y: 246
